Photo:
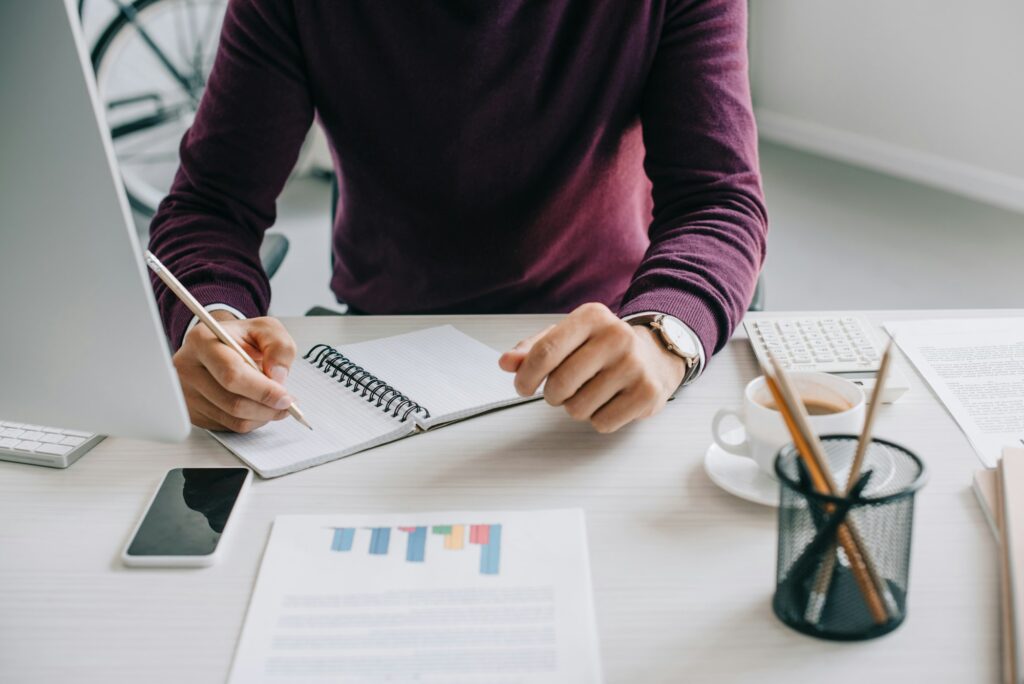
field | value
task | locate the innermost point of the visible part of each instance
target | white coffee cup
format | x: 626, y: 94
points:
x: 836, y: 407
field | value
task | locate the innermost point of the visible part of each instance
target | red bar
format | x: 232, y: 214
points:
x: 407, y: 529
x: 479, y: 534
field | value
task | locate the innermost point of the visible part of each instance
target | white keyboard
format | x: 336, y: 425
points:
x: 841, y: 345
x: 41, y: 445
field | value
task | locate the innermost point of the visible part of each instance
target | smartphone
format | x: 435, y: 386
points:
x: 187, y: 518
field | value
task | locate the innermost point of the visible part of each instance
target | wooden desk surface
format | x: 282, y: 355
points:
x: 683, y: 572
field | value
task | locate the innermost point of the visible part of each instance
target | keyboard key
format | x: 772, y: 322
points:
x: 77, y: 433
x: 50, y: 438
x: 7, y: 443
x: 11, y: 432
x: 32, y: 435
x: 73, y: 441
x: 27, y: 445
x: 55, y: 449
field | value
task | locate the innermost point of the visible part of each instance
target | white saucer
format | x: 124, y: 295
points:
x: 740, y: 476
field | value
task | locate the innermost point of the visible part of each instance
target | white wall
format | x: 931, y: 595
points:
x: 932, y: 90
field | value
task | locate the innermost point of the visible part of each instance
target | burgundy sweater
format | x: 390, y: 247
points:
x: 493, y: 156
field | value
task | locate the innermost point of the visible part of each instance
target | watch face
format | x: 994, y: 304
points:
x: 678, y: 335
x: 672, y: 329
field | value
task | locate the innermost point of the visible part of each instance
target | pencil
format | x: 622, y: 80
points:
x: 175, y: 286
x: 869, y: 420
x: 810, y: 449
x: 824, y: 578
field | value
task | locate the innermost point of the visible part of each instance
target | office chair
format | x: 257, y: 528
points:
x: 272, y: 252
x: 756, y: 302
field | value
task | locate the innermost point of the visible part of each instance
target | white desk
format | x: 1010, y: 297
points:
x: 683, y: 572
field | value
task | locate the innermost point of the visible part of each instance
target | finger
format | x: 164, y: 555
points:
x: 238, y: 377
x: 209, y: 417
x: 202, y: 421
x: 621, y: 410
x: 550, y: 350
x: 582, y: 365
x: 511, y: 359
x: 604, y: 349
x: 275, y: 344
x: 232, y: 404
x: 595, y: 393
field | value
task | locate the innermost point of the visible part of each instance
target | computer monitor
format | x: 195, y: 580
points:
x: 81, y: 346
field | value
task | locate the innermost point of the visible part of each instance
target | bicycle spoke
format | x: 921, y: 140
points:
x: 143, y: 123
x: 213, y: 12
x: 134, y: 99
x: 211, y: 37
x: 150, y: 157
x: 185, y: 29
x: 132, y: 16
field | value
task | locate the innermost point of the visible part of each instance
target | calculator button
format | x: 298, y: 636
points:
x: 27, y: 445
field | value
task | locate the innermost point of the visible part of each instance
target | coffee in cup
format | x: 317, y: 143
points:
x: 834, y: 406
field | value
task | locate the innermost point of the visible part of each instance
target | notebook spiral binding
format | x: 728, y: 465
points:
x: 356, y: 378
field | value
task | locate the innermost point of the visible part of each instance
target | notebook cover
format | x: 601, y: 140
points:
x: 1011, y: 480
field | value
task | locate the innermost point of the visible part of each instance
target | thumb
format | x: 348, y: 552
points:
x: 275, y: 345
x: 511, y: 359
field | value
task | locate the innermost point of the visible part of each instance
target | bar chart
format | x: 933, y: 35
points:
x: 456, y: 537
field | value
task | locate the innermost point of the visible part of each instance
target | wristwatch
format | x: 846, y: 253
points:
x: 677, y: 337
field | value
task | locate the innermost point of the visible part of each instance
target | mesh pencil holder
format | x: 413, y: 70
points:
x: 843, y: 562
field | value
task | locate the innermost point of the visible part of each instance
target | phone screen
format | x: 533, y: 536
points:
x: 188, y: 514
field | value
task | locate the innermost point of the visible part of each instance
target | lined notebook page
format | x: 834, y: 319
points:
x: 442, y: 368
x: 343, y: 424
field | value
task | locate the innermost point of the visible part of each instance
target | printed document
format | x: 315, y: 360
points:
x: 428, y: 597
x: 976, y: 367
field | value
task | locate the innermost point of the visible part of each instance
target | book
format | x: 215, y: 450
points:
x: 359, y: 396
x: 986, y: 489
x: 1010, y: 479
x: 460, y: 596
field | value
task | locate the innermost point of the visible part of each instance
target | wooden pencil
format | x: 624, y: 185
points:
x: 810, y: 450
x: 823, y: 580
x: 869, y: 420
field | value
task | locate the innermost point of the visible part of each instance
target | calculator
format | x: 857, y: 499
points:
x: 845, y: 346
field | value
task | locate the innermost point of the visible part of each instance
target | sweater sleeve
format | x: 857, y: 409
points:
x: 709, y: 221
x: 235, y: 160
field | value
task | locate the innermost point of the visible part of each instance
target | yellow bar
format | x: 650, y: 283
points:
x: 456, y: 539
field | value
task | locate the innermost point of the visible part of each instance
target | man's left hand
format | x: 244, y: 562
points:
x: 600, y: 368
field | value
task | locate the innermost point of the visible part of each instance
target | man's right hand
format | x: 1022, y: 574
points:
x: 222, y: 391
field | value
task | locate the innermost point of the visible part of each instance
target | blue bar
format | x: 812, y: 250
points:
x: 379, y: 538
x: 343, y: 537
x: 417, y: 545
x: 490, y: 553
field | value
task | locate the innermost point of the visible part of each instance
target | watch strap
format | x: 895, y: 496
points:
x: 694, y: 370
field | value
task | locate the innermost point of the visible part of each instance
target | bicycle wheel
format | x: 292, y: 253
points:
x: 151, y: 66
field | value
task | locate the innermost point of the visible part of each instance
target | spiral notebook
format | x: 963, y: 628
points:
x: 362, y: 395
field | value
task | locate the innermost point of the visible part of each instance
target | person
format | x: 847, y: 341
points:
x: 595, y: 158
